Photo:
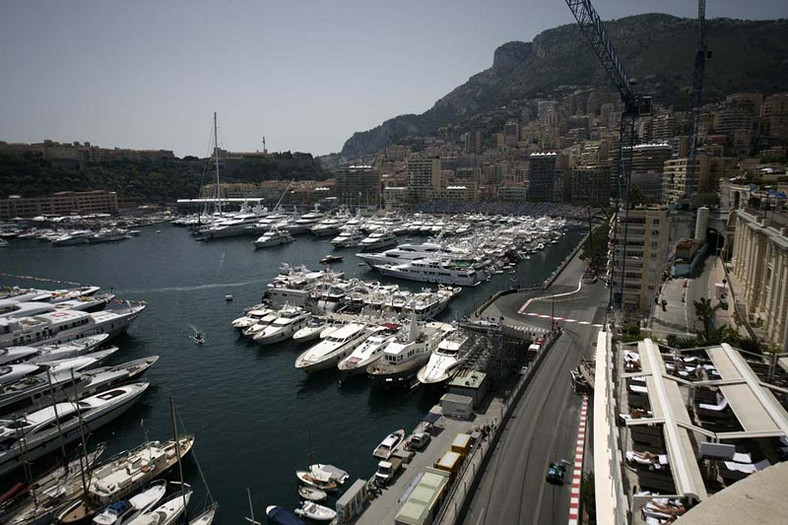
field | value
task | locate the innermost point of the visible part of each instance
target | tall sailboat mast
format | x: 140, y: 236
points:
x: 216, y: 163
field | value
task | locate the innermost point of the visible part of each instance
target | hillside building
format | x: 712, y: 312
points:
x: 359, y: 186
x: 424, y: 179
x: 640, y: 263
x: 62, y: 203
x: 543, y: 184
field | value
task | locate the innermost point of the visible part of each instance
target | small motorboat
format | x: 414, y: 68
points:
x: 228, y: 297
x: 319, y: 480
x: 311, y: 493
x: 198, y: 338
x: 388, y: 445
x: 313, y: 511
x: 331, y: 258
x: 283, y: 516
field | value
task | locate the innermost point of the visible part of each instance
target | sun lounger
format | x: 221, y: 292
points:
x: 742, y: 457
x: 637, y: 389
x: 660, y: 461
x: 747, y: 468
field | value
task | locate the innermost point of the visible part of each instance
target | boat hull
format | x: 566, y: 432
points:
x: 10, y: 459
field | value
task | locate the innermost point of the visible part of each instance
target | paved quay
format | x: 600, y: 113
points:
x: 384, y: 508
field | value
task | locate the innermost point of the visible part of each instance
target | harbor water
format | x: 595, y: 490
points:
x: 256, y: 418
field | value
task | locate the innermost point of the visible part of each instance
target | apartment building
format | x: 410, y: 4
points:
x: 639, y: 257
x: 424, y: 179
x: 359, y: 186
x: 62, y: 203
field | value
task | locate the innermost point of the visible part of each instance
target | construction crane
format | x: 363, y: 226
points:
x: 696, y: 98
x: 633, y: 106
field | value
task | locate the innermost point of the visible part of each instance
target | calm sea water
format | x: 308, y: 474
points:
x: 256, y: 418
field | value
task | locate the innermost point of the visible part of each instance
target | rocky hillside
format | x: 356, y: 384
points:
x: 656, y: 49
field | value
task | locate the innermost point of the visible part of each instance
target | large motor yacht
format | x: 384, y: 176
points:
x: 290, y: 320
x: 443, y: 270
x: 273, y: 237
x: 369, y: 351
x: 37, y: 433
x: 378, y: 239
x: 348, y: 238
x: 66, y: 325
x: 446, y: 358
x: 327, y: 353
x: 408, y: 252
x: 405, y: 355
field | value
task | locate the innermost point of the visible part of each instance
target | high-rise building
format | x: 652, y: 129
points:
x: 680, y: 184
x: 639, y: 262
x: 774, y: 117
x: 424, y: 179
x: 472, y: 142
x: 648, y: 165
x: 590, y: 185
x: 511, y: 133
x: 359, y: 186
x: 542, y: 180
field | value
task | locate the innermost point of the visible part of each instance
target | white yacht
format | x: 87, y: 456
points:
x: 446, y: 358
x: 443, y: 270
x: 122, y: 511
x: 406, y: 354
x: 251, y: 318
x: 306, y: 221
x: 328, y: 226
x: 408, y: 252
x: 73, y: 237
x: 69, y: 380
x: 429, y: 303
x: 66, y: 325
x: 17, y: 354
x: 168, y: 512
x: 348, y: 238
x: 73, y: 348
x: 368, y: 352
x: 14, y: 308
x: 378, y: 239
x: 290, y: 320
x: 329, y: 351
x: 37, y: 433
x: 311, y: 330
x: 232, y: 224
x: 261, y: 324
x: 273, y: 237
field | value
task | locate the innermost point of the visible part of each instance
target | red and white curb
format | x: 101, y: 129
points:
x: 577, y: 471
x: 545, y: 316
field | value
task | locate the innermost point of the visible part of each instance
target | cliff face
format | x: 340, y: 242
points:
x: 656, y: 49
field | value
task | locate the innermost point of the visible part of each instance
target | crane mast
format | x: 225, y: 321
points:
x: 633, y: 106
x: 696, y: 98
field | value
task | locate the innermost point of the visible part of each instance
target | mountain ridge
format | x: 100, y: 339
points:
x: 658, y: 49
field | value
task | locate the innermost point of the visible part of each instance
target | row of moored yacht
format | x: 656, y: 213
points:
x: 389, y: 353
x: 53, y: 393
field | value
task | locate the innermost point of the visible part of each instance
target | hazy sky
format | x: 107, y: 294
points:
x: 148, y: 74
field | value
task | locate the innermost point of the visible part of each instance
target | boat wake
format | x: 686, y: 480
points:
x: 193, y: 288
